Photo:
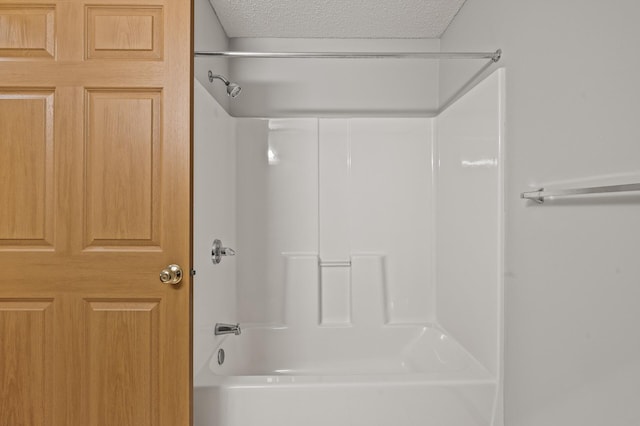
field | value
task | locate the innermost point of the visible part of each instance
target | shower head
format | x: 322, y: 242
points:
x: 233, y: 89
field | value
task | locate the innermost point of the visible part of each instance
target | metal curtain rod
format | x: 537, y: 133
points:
x: 541, y: 194
x: 494, y: 56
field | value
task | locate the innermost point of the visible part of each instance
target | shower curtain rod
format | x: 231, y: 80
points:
x: 494, y: 56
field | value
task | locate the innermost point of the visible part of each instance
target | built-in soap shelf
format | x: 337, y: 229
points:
x: 335, y: 263
x: 335, y: 292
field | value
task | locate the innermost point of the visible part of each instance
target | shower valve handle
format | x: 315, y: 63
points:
x: 226, y: 251
x: 217, y: 251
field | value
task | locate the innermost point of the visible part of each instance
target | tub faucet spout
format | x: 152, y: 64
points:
x: 227, y: 329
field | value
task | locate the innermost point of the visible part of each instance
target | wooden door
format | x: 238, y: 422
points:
x: 94, y: 203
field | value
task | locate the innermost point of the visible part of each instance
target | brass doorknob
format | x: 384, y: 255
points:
x: 172, y: 274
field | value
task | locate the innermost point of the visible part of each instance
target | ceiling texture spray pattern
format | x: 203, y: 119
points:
x: 336, y: 18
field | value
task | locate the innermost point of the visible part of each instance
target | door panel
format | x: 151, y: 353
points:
x: 26, y: 346
x: 124, y: 142
x: 129, y: 328
x: 27, y: 31
x: 124, y: 32
x: 26, y: 143
x: 94, y: 202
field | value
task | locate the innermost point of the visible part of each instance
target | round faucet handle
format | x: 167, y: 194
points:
x: 217, y: 251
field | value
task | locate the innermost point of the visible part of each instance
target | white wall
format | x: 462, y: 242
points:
x: 572, y: 288
x: 210, y: 36
x: 214, y: 216
x: 331, y: 87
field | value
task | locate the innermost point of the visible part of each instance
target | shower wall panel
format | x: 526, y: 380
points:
x: 375, y: 211
x: 469, y: 217
x: 277, y: 205
x: 334, y: 221
x: 391, y: 209
x: 214, y: 216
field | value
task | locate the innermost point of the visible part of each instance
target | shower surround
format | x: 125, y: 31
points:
x: 368, y: 274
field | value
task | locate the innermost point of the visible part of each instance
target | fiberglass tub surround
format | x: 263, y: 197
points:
x: 367, y: 273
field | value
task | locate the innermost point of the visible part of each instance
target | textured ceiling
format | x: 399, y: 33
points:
x: 336, y: 18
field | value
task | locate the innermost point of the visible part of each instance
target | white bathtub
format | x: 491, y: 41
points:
x: 393, y: 375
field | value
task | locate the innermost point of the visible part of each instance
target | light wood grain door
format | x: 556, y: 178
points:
x: 94, y: 202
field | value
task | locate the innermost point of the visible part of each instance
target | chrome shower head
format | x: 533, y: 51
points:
x: 233, y: 89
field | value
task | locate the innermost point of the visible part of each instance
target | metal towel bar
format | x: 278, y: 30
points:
x: 539, y: 195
